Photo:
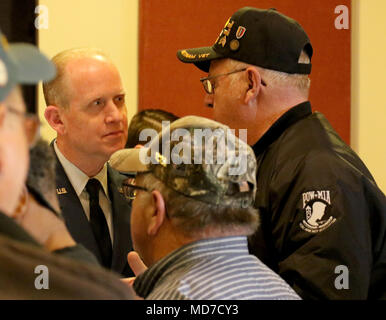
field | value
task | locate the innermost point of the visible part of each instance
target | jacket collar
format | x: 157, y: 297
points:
x: 285, y: 121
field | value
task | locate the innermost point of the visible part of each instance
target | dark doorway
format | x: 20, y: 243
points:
x: 17, y: 24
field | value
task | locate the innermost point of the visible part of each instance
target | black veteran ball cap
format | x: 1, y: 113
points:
x: 265, y: 38
x: 22, y: 63
x: 199, y: 158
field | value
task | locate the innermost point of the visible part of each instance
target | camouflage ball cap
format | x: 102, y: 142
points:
x: 199, y: 158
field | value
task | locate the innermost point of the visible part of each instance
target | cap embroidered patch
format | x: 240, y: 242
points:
x: 240, y: 32
x: 316, y: 205
x: 222, y: 38
x: 204, y: 55
x: 188, y: 55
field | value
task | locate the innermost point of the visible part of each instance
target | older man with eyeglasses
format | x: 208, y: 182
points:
x: 191, y: 215
x: 321, y: 208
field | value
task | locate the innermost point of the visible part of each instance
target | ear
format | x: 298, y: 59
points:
x: 254, y: 85
x: 159, y: 214
x: 53, y: 115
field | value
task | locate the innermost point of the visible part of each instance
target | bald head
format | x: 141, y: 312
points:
x: 58, y: 91
x: 86, y: 107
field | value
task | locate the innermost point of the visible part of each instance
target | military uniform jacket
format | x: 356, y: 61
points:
x: 79, y: 226
x: 323, y: 218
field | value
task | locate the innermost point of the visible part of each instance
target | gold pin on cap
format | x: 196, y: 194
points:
x: 234, y: 45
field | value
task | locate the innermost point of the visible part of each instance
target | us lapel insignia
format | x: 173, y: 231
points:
x: 61, y: 191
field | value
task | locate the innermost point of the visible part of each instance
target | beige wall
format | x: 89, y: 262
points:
x: 109, y: 25
x: 113, y: 26
x: 368, y: 107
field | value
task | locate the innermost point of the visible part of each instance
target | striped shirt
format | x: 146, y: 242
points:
x: 212, y: 269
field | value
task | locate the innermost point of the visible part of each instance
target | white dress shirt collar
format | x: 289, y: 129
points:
x: 77, y: 177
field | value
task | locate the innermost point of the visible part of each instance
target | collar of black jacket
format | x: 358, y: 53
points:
x: 286, y: 120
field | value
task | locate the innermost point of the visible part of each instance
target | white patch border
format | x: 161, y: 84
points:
x: 304, y: 225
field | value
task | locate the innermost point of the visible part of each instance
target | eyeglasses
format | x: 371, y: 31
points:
x: 209, y: 86
x: 31, y: 124
x: 130, y: 189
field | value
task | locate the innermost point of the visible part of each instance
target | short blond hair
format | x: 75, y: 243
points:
x: 56, y: 92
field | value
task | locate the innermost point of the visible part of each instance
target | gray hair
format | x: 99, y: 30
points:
x: 195, y: 218
x: 272, y: 77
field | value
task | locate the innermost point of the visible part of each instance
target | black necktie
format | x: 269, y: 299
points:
x: 98, y: 223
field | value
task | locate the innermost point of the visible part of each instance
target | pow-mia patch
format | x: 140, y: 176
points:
x: 316, y: 206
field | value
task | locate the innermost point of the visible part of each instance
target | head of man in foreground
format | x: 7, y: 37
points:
x: 200, y: 189
x: 193, y: 192
x: 19, y: 64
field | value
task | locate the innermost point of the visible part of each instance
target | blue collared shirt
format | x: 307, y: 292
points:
x: 212, y: 269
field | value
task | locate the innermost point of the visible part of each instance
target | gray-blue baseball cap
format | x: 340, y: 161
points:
x: 22, y: 63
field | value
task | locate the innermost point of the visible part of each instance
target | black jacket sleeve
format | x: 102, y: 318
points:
x: 321, y: 226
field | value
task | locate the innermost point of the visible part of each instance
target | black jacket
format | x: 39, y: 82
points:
x: 323, y: 225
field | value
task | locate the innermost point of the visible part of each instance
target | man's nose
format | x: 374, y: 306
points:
x: 114, y: 113
x: 208, y: 100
